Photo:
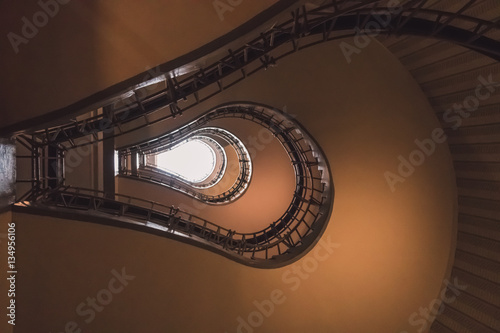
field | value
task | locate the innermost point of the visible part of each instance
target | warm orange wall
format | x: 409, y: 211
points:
x: 393, y: 251
x: 271, y: 186
x: 90, y: 45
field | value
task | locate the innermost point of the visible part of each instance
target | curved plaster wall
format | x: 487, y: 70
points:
x: 86, y: 46
x: 389, y: 251
x: 264, y: 201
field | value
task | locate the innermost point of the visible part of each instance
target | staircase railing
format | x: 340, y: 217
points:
x: 282, y: 242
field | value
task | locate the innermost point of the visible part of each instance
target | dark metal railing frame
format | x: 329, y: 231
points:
x: 306, y: 28
x: 172, y: 138
x: 282, y: 242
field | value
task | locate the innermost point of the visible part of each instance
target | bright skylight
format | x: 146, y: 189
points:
x: 193, y: 161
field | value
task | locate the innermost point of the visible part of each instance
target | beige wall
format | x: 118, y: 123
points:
x: 88, y: 46
x: 271, y: 186
x: 392, y: 252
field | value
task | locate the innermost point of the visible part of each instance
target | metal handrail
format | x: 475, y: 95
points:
x: 282, y: 242
x: 171, y: 139
x: 339, y: 15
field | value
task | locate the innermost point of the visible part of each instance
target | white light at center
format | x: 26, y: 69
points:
x: 193, y: 161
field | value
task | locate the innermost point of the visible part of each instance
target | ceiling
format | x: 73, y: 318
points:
x: 397, y: 249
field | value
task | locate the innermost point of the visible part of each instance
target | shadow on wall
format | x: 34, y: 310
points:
x: 393, y: 252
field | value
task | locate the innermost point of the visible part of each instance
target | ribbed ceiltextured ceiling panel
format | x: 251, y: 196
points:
x: 448, y: 75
